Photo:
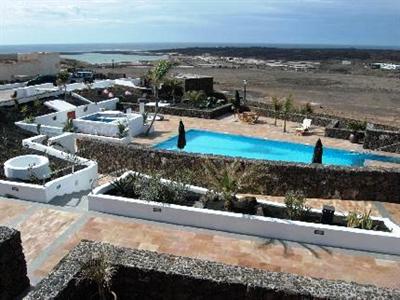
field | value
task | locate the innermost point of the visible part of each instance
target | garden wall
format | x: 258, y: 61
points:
x: 333, y: 130
x: 382, y: 139
x: 186, y: 112
x: 293, y: 117
x: 13, y: 278
x: 319, y: 119
x: 150, y: 275
x: 277, y: 178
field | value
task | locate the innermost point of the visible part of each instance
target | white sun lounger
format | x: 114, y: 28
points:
x: 305, y: 127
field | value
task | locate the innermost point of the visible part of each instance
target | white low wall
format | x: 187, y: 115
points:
x: 10, y: 86
x: 65, y: 142
x: 303, y: 232
x: 126, y: 140
x: 44, y: 129
x: 81, y: 180
x: 58, y: 119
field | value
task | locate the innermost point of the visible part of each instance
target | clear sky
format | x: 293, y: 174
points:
x: 348, y: 22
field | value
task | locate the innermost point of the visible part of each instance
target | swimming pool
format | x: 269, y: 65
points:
x: 207, y: 142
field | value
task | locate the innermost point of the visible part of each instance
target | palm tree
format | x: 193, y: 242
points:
x: 62, y: 80
x: 277, y: 106
x: 287, y: 108
x: 157, y: 74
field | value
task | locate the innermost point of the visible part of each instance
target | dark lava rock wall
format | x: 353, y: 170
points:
x: 13, y: 278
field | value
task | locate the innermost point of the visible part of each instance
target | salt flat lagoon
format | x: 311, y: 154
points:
x: 108, y: 58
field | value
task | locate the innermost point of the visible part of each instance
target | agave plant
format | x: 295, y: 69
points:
x: 127, y: 186
x: 230, y: 179
x: 99, y: 271
x: 363, y: 220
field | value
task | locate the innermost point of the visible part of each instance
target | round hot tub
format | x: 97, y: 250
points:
x: 27, y: 167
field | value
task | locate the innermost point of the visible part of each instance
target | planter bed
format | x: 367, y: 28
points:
x: 96, y: 95
x: 185, y: 111
x: 103, y: 200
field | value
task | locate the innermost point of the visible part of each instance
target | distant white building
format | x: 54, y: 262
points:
x: 385, y: 66
x: 18, y: 66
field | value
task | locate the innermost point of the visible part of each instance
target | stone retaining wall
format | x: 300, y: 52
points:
x: 382, y: 139
x: 13, y: 278
x: 333, y: 130
x: 150, y: 275
x: 275, y: 178
x: 319, y: 119
x: 186, y: 112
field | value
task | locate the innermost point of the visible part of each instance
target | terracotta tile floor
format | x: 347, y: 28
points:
x: 51, y: 231
x: 41, y: 228
x: 9, y: 210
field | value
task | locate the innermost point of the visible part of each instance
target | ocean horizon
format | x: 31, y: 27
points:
x: 160, y: 46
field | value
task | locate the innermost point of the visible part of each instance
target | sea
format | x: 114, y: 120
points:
x: 87, y: 52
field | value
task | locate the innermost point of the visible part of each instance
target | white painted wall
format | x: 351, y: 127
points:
x: 79, y: 181
x: 31, y: 64
x: 66, y: 141
x: 58, y: 119
x: 11, y: 86
x: 335, y: 236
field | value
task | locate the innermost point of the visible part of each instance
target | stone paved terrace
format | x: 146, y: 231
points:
x: 49, y: 231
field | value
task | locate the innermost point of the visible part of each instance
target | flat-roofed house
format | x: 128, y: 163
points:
x: 27, y: 65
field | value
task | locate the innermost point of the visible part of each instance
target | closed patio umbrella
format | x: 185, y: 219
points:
x: 318, y: 151
x: 182, y: 136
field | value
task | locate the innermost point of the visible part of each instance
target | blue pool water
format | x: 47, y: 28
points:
x: 99, y: 118
x: 206, y: 142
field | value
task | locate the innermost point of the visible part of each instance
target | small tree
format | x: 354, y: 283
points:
x: 156, y: 76
x: 287, y: 108
x: 277, y: 106
x: 62, y: 80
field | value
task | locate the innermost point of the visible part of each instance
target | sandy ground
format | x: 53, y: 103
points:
x: 366, y: 97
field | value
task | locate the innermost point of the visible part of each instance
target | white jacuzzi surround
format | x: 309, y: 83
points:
x: 81, y: 180
x: 303, y: 232
x: 133, y: 122
x: 25, y: 167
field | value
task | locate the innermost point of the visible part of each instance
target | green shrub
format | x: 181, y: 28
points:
x: 357, y: 125
x: 122, y: 130
x: 296, y: 208
x: 69, y: 126
x: 229, y: 179
x: 151, y: 188
x: 306, y: 109
x: 362, y: 221
x: 196, y: 97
